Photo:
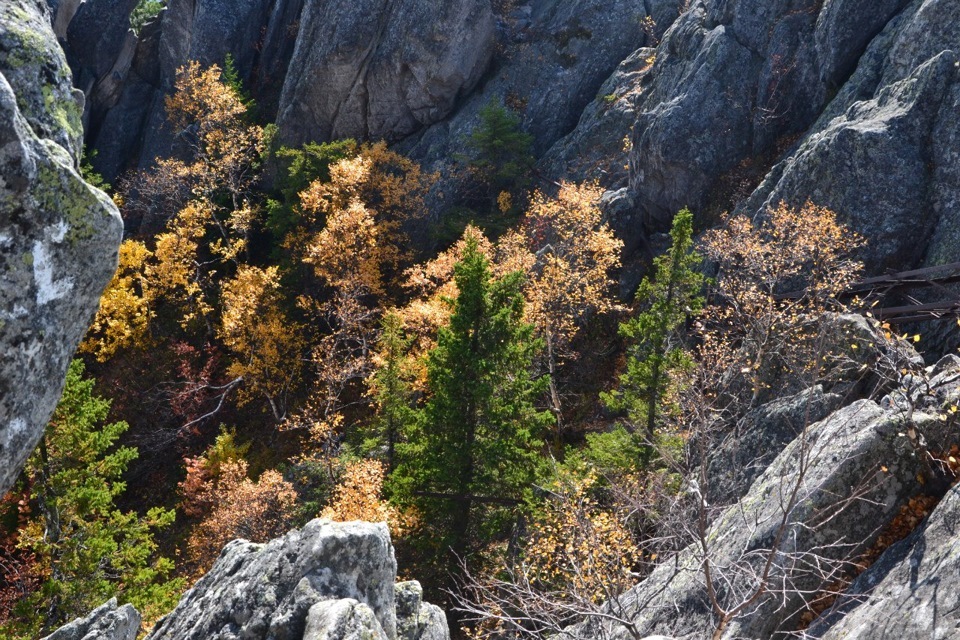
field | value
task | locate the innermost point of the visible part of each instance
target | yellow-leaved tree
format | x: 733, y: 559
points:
x: 354, y: 237
x: 123, y: 318
x: 568, y: 252
x: 268, y: 346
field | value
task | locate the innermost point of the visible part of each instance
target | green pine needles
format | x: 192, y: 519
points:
x: 87, y: 549
x: 475, y: 446
x: 502, y: 151
x: 667, y: 300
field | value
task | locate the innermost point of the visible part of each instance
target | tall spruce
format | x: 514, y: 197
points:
x: 475, y: 446
x: 666, y: 300
x: 390, y: 391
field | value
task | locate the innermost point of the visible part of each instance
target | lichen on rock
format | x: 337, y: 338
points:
x: 58, y: 235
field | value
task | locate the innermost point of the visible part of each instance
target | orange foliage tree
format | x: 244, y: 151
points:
x: 123, y: 318
x: 242, y: 508
x: 777, y: 277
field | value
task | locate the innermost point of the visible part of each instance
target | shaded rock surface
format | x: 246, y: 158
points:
x: 107, y: 622
x: 266, y: 590
x: 730, y: 80
x: 842, y: 102
x: 58, y: 235
x: 885, y: 153
x: 910, y: 592
x: 127, y: 77
x: 380, y: 69
x: 589, y: 151
x: 842, y: 454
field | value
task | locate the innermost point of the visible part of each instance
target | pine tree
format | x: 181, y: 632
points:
x: 88, y: 549
x: 502, y: 150
x: 476, y: 442
x: 390, y: 390
x: 668, y: 299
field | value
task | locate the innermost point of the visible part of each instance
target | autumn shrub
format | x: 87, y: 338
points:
x: 577, y: 556
x: 777, y: 277
x: 359, y: 496
x: 242, y: 508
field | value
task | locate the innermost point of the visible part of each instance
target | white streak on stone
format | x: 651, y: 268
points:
x: 48, y: 290
x: 16, y: 427
x: 59, y: 231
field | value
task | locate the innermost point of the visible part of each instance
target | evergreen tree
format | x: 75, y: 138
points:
x: 667, y: 300
x: 88, y: 550
x: 502, y: 150
x: 390, y: 390
x: 475, y: 445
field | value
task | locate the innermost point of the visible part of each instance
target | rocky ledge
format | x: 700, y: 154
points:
x: 326, y: 581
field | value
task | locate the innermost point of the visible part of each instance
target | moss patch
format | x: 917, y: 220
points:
x: 65, y: 112
x: 60, y: 192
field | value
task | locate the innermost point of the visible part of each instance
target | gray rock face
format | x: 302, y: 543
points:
x: 259, y: 591
x: 554, y: 55
x: 204, y: 31
x: 590, y: 151
x: 116, y: 126
x: 344, y: 619
x: 126, y: 78
x: 884, y: 155
x: 279, y: 41
x: 106, y: 622
x: 759, y: 437
x: 730, y: 80
x: 734, y: 82
x: 380, y: 69
x: 912, y: 591
x: 416, y: 619
x: 841, y: 453
x: 96, y: 36
x: 58, y: 235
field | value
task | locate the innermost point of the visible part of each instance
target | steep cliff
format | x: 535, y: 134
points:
x: 380, y: 69
x: 58, y: 235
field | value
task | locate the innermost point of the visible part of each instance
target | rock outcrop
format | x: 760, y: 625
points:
x: 588, y: 151
x: 910, y: 592
x: 106, y: 622
x: 869, y: 100
x: 326, y: 581
x: 58, y: 235
x: 380, y: 69
x: 841, y: 502
x: 261, y: 591
x: 126, y: 77
x: 730, y: 80
x: 886, y: 153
